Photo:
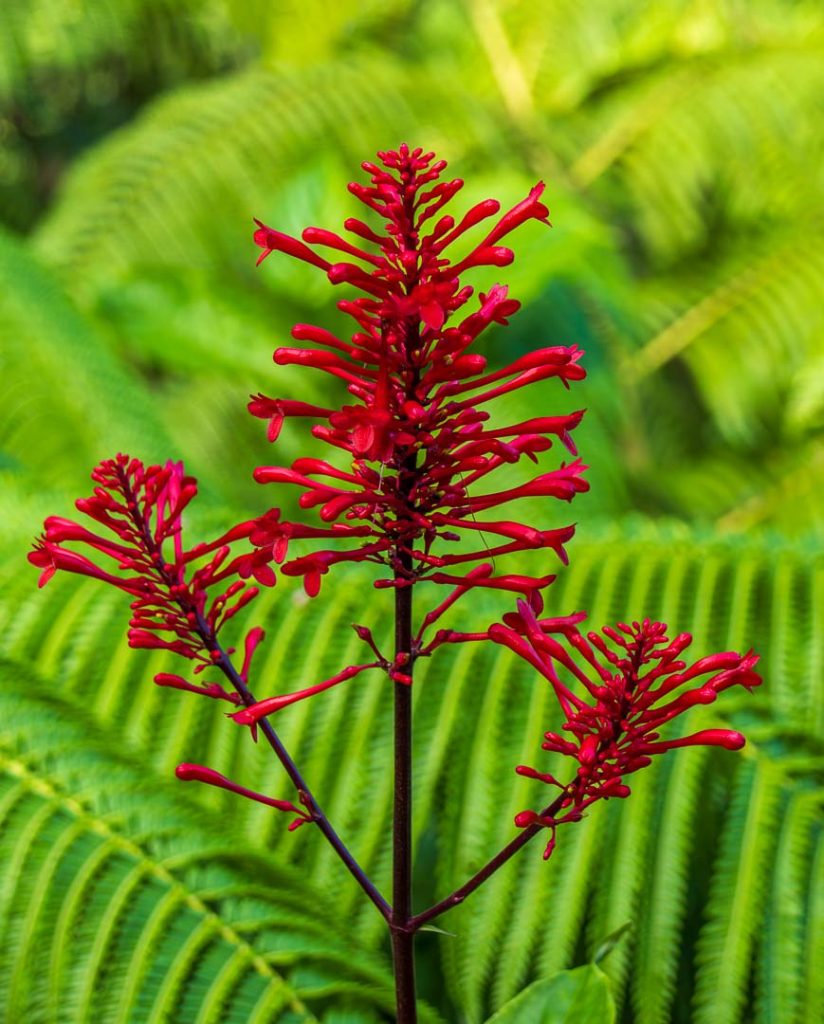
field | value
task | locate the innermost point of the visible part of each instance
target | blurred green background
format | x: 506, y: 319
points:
x: 681, y: 142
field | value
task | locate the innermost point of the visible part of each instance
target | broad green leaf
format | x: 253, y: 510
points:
x: 582, y: 994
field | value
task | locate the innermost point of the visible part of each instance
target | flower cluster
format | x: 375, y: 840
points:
x: 173, y: 607
x: 414, y: 498
x: 631, y: 676
x: 417, y: 429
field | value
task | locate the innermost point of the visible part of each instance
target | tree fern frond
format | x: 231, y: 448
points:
x: 735, y: 910
x: 813, y: 980
x: 785, y: 938
x: 476, y: 718
x: 151, y: 177
x: 116, y: 913
x: 63, y: 397
x: 665, y: 896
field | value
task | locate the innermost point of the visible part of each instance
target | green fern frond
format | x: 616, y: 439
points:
x: 787, y: 937
x: 123, y: 903
x: 64, y: 401
x: 738, y: 894
x: 479, y: 714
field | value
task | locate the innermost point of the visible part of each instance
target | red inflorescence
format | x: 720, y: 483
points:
x: 172, y: 608
x: 630, y: 679
x: 420, y: 443
x: 417, y: 429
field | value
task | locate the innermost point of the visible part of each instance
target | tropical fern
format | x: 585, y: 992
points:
x: 477, y: 715
x: 122, y: 902
x: 63, y: 399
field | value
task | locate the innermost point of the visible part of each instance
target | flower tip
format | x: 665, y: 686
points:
x: 45, y: 576
x: 197, y: 773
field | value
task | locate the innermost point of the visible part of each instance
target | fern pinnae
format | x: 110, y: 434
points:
x: 742, y: 610
x: 91, y: 997
x: 814, y: 646
x: 222, y: 991
x: 786, y: 696
x: 703, y: 594
x: 71, y: 909
x: 338, y: 745
x: 661, y: 922
x: 24, y: 835
x: 445, y: 679
x: 475, y: 837
x: 813, y: 977
x: 154, y: 925
x: 22, y: 619
x: 185, y: 957
x: 91, y: 657
x: 736, y: 904
x: 355, y: 785
x: 110, y: 905
x: 516, y: 793
x: 621, y: 874
x: 273, y: 998
x: 290, y: 663
x: 197, y: 995
x: 521, y: 934
x: 620, y: 878
x: 780, y: 974
x: 43, y: 893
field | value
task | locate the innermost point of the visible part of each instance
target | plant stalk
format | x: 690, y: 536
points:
x: 224, y: 663
x: 403, y: 938
x: 457, y: 897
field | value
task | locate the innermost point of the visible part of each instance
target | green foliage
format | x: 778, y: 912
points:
x: 124, y: 902
x: 682, y: 156
x: 712, y: 858
x: 682, y: 150
x: 65, y: 401
x: 571, y: 996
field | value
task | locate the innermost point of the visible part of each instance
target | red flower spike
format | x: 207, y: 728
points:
x: 416, y: 451
x: 173, y: 609
x: 615, y: 732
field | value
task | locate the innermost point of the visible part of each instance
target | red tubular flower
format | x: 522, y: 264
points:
x: 141, y: 508
x: 414, y: 426
x: 199, y: 773
x: 629, y: 681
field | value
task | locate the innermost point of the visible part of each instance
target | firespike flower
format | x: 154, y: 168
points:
x: 199, y: 773
x: 141, y: 507
x: 417, y: 429
x: 631, y: 694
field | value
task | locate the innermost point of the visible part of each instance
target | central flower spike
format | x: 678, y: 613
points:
x: 418, y: 427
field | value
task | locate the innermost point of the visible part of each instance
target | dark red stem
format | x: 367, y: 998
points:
x: 305, y: 794
x: 403, y: 938
x: 457, y: 897
x: 224, y: 663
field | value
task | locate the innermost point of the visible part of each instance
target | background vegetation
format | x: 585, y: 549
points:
x: 682, y: 148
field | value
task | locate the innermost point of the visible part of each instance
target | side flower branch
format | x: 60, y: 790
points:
x: 173, y: 609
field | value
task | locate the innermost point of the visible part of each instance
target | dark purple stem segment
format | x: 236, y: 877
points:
x: 402, y: 937
x: 224, y: 663
x: 306, y: 797
x: 457, y: 897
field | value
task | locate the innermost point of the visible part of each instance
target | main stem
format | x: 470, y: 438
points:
x: 403, y: 937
